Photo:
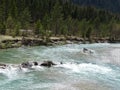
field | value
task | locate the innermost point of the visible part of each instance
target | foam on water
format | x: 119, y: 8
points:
x: 106, y: 74
x: 111, y: 55
x: 10, y: 72
x: 86, y: 67
x: 13, y: 71
x: 115, y: 55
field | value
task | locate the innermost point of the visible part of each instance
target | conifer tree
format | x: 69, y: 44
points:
x: 39, y: 28
x: 10, y: 24
x: 25, y: 18
x: 57, y: 17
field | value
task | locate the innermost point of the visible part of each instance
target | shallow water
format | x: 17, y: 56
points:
x: 79, y: 71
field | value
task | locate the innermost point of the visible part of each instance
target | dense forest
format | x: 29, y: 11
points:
x: 56, y: 18
x: 111, y: 5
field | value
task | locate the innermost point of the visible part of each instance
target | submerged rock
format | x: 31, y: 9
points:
x: 35, y: 63
x: 47, y: 64
x: 3, y: 66
x: 26, y: 65
x: 85, y: 50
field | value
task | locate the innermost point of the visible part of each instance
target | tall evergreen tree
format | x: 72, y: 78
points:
x: 39, y: 28
x: 10, y: 24
x: 13, y: 8
x: 83, y: 28
x: 57, y: 17
x: 25, y: 18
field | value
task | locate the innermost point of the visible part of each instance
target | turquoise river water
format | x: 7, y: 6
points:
x: 79, y: 71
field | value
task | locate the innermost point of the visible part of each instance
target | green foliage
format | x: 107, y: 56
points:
x: 83, y: 26
x: 25, y: 18
x: 89, y: 32
x: 10, y: 24
x: 38, y: 28
x: 16, y: 29
x: 12, y: 27
x: 46, y: 22
x: 64, y: 30
x: 2, y: 28
x: 13, y: 9
x: 60, y: 17
x: 56, y: 18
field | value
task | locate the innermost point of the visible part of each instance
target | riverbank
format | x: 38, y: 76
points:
x: 10, y: 42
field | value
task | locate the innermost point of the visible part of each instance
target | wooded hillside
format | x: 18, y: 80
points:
x: 56, y: 17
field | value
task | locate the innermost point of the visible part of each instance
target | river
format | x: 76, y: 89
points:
x: 99, y: 70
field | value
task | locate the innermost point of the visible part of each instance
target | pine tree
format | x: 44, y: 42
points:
x: 46, y: 22
x: 89, y: 32
x: 13, y: 8
x: 2, y: 29
x: 57, y: 17
x: 10, y: 25
x: 39, y: 28
x: 17, y: 29
x: 25, y: 18
x: 69, y: 24
x: 83, y: 28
